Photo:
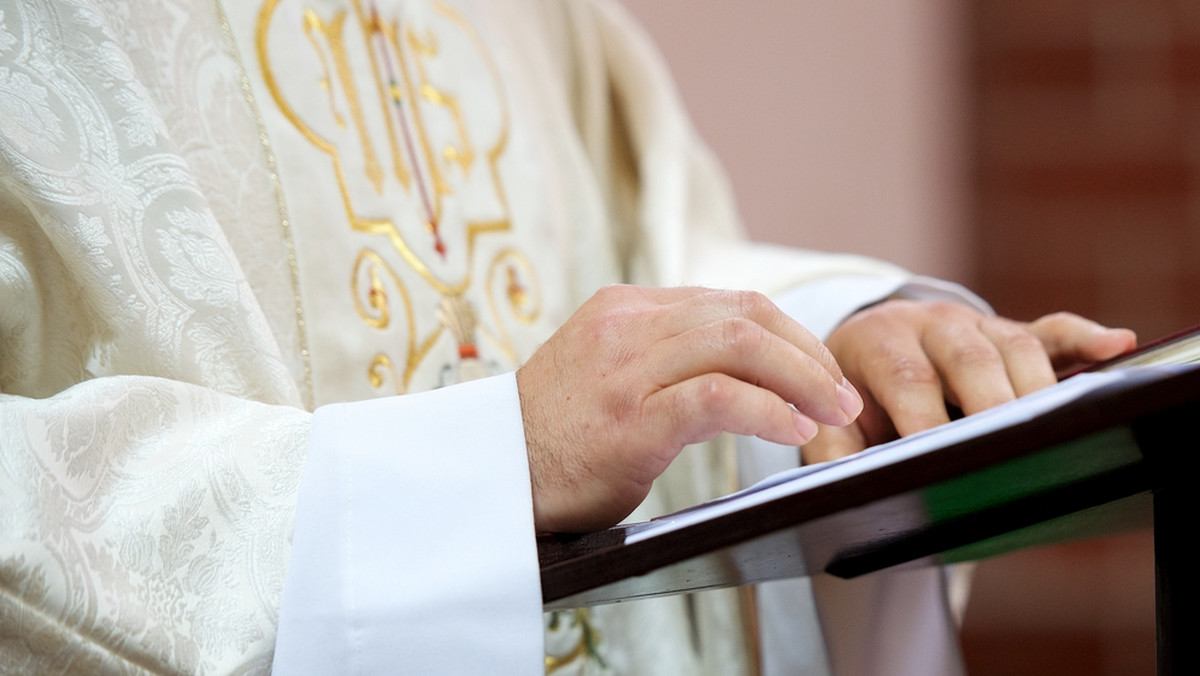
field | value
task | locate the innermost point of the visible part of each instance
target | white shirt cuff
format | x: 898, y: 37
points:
x: 414, y: 543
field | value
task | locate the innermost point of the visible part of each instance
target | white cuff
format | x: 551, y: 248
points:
x: 414, y: 543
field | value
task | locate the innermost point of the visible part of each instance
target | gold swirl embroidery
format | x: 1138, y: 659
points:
x: 512, y: 271
x: 377, y: 313
x: 375, y: 372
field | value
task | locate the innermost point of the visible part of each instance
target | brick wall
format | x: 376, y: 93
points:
x: 1088, y: 159
x: 1087, y: 197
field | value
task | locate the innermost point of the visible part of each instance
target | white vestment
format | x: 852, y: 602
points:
x: 218, y: 216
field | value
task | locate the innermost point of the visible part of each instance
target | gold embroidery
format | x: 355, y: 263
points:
x: 395, y: 97
x: 332, y: 32
x: 498, y: 148
x: 376, y: 312
x: 439, y: 184
x: 311, y: 23
x: 436, y: 155
x: 512, y: 271
x: 586, y: 648
x: 338, y: 46
x: 379, y: 315
x: 424, y: 49
x: 381, y: 363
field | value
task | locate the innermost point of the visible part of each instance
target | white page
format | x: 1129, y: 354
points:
x: 804, y: 478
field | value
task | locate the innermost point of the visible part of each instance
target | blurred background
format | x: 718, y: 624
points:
x: 1046, y: 153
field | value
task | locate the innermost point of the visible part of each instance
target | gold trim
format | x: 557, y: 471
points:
x: 308, y: 395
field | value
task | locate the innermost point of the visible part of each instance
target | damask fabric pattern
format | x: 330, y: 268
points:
x: 180, y: 281
x: 153, y: 435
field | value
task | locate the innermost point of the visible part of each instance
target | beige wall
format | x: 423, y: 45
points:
x: 841, y: 122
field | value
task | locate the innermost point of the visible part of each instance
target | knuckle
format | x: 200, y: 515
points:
x: 971, y: 354
x: 1061, y: 319
x: 612, y: 290
x: 753, y: 303
x: 1019, y: 340
x: 906, y: 371
x: 613, y: 296
x: 612, y: 321
x: 742, y: 336
x: 963, y: 345
x: 1061, y: 316
x: 616, y: 322
x: 713, y: 394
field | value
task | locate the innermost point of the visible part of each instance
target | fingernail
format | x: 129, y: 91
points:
x: 807, y: 428
x: 850, y: 400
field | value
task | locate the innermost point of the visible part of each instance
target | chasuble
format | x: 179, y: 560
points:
x: 216, y: 217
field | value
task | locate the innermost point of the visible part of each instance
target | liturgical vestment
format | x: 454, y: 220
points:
x: 217, y: 217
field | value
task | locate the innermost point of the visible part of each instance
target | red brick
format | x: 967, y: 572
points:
x: 1057, y: 66
x: 1166, y: 179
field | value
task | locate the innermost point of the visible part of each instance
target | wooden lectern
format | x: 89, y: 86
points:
x: 1085, y: 458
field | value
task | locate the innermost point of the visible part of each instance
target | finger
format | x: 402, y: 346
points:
x: 1070, y: 339
x: 832, y: 443
x: 1025, y: 359
x: 900, y: 377
x: 744, y: 349
x: 970, y: 365
x: 688, y: 310
x: 700, y: 408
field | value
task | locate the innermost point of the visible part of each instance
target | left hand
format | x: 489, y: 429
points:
x: 909, y: 359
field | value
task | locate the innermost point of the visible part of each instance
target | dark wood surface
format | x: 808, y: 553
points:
x: 1086, y: 468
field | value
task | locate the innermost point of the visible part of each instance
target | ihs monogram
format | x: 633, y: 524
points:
x: 414, y: 122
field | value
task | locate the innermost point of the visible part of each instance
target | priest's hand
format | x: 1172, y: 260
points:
x: 909, y: 358
x: 637, y: 373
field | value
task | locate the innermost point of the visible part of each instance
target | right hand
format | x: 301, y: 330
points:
x: 638, y: 373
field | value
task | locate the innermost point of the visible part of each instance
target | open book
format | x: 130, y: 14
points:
x: 1177, y: 348
x: 955, y: 492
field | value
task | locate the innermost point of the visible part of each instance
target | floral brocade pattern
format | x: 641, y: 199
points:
x: 154, y: 369
x: 152, y: 430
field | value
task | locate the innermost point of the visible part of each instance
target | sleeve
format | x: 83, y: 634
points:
x: 147, y: 522
x: 152, y: 437
x: 145, y: 525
